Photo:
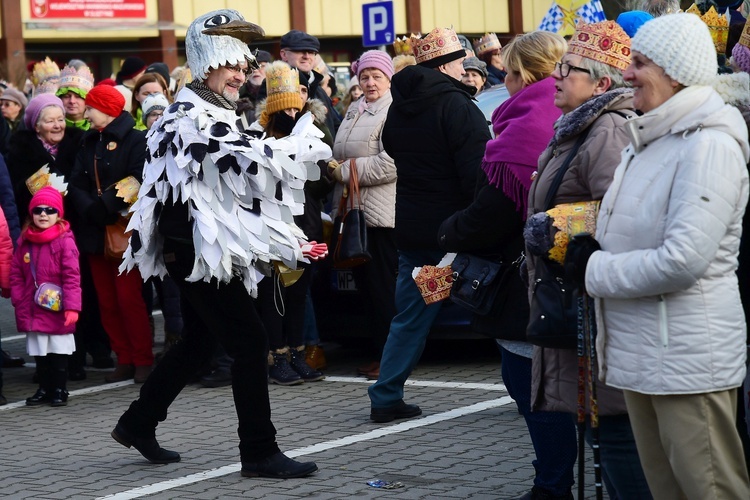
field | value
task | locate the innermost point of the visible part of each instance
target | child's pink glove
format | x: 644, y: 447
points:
x: 71, y: 317
x: 314, y: 250
x: 5, y: 293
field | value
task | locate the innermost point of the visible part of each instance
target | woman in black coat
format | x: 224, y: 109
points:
x: 112, y: 151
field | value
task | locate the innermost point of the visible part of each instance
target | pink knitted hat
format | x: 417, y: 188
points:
x: 374, y: 59
x: 49, y: 197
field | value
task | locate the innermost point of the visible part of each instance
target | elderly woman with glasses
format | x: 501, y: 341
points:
x: 590, y: 91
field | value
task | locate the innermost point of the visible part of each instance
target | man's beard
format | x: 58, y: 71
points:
x: 230, y: 96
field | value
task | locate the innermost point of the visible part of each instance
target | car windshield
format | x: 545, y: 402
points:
x: 489, y: 100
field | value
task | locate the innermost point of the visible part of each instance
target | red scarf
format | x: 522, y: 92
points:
x: 36, y: 235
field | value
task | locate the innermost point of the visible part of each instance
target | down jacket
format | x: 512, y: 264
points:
x: 55, y: 262
x: 668, y: 308
x: 554, y: 382
x: 360, y: 137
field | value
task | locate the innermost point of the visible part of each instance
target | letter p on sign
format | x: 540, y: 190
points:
x: 378, y: 26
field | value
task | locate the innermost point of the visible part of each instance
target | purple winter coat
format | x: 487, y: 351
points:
x: 56, y: 262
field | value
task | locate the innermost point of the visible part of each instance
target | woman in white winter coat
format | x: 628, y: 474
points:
x: 671, y: 329
x: 359, y: 142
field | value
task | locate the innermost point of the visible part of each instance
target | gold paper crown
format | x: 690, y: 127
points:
x: 404, y: 46
x: 440, y: 46
x: 718, y: 26
x: 80, y: 79
x: 487, y: 43
x: 45, y: 70
x: 282, y: 86
x: 745, y: 36
x: 47, y: 87
x: 605, y: 42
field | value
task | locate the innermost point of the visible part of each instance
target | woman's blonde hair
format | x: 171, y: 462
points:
x: 533, y: 55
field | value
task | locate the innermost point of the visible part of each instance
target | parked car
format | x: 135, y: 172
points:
x: 337, y: 296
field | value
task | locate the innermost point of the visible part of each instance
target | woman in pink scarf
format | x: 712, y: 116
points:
x: 492, y: 227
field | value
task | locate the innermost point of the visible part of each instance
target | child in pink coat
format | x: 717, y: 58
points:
x: 47, y: 253
x: 6, y: 255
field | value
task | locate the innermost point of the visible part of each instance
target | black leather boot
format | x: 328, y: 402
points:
x: 278, y: 466
x: 299, y: 365
x: 59, y: 397
x: 148, y: 447
x: 280, y: 371
x: 40, y: 397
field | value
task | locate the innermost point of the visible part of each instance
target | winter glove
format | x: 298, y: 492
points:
x: 580, y: 248
x: 314, y: 250
x: 71, y: 317
x: 334, y: 169
x: 5, y: 293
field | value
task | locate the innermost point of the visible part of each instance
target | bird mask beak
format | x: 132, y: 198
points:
x: 241, y: 30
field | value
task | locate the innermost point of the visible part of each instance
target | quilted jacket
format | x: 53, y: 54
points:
x: 360, y: 137
x: 668, y: 308
x: 554, y: 384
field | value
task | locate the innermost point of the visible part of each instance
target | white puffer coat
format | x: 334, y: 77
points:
x: 360, y: 137
x: 668, y: 307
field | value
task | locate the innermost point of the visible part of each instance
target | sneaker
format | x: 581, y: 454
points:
x: 220, y: 377
x: 299, y: 365
x: 280, y: 371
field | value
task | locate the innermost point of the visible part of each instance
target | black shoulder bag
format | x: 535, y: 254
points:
x: 553, y: 319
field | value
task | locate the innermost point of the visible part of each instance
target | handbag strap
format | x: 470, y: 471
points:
x: 32, y: 266
x: 96, y: 176
x: 552, y: 192
x: 354, y: 185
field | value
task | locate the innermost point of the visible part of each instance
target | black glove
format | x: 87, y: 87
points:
x: 580, y: 248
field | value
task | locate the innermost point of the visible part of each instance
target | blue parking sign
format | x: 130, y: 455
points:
x: 378, y: 25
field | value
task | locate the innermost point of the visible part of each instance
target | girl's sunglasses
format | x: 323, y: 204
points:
x: 44, y: 210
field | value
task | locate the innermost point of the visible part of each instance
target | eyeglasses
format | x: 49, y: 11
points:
x: 565, y: 69
x: 44, y: 210
x: 237, y: 69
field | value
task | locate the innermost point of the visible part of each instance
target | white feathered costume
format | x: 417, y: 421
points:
x: 242, y: 193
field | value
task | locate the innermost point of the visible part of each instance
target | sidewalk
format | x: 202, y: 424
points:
x: 469, y: 443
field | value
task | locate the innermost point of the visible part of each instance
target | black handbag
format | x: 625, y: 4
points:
x: 349, y: 227
x: 553, y: 318
x: 494, y: 292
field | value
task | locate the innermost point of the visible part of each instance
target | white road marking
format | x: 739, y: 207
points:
x: 316, y: 448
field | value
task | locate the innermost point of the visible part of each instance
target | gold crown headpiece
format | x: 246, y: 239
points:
x: 604, y: 41
x: 440, y: 46
x: 280, y: 77
x: 745, y: 36
x: 718, y: 26
x: 405, y: 46
x: 77, y: 78
x: 47, y: 87
x: 45, y: 70
x: 487, y: 43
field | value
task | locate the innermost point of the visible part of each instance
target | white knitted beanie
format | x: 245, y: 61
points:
x: 681, y: 45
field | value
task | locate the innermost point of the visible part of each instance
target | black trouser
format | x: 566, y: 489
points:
x: 378, y: 279
x: 287, y: 329
x: 89, y: 335
x: 224, y: 314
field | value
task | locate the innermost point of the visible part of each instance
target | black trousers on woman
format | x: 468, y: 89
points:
x: 212, y: 314
x: 282, y: 309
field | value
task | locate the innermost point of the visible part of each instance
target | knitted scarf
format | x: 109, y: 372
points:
x: 523, y: 126
x: 50, y: 148
x: 210, y: 96
x: 36, y: 235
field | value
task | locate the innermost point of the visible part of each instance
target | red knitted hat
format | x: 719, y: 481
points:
x: 49, y: 197
x: 106, y: 99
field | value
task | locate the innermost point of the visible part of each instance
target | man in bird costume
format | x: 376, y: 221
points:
x: 215, y: 212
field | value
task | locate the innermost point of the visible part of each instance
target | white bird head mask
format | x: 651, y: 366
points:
x: 219, y: 38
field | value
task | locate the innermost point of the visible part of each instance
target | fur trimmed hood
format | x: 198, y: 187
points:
x: 571, y: 124
x: 314, y: 106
